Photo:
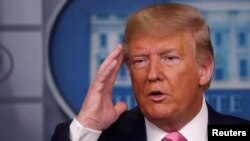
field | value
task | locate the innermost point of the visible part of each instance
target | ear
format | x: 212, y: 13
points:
x: 206, y: 72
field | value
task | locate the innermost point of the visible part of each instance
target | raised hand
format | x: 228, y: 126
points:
x: 98, y: 112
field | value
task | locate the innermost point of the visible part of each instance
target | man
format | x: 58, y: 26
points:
x: 170, y: 59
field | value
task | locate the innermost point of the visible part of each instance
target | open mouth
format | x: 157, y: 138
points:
x: 156, y: 93
x: 157, y: 96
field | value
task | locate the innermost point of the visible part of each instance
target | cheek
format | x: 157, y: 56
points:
x: 138, y: 81
x: 137, y: 78
x: 182, y: 77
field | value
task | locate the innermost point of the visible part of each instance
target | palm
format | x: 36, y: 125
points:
x: 98, y: 111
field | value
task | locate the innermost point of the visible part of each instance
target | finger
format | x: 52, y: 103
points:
x: 112, y: 56
x: 111, y: 79
x: 120, y: 107
x: 108, y: 65
x: 113, y: 76
x: 104, y: 75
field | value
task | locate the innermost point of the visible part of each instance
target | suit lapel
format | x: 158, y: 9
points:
x: 129, y: 127
x: 133, y: 129
x: 211, y: 115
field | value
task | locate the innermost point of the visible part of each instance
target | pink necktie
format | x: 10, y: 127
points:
x: 174, y: 136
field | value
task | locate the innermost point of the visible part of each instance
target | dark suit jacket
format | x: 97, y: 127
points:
x: 131, y: 127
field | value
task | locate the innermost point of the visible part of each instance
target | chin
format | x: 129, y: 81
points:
x: 157, y: 116
x: 157, y: 113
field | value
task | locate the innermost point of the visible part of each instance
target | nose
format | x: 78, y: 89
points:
x: 155, y: 72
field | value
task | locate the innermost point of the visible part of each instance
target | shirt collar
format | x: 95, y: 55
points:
x: 189, y: 131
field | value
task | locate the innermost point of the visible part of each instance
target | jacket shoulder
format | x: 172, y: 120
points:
x: 215, y: 117
x: 129, y: 126
x: 61, y: 132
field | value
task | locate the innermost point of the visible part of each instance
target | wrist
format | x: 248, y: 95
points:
x: 89, y: 122
x: 79, y: 132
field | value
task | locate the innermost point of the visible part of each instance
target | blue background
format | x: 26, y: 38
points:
x: 69, y: 50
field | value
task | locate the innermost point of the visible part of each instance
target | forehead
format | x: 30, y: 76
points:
x: 183, y: 41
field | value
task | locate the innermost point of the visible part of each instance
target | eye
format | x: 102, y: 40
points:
x: 139, y: 62
x: 171, y: 59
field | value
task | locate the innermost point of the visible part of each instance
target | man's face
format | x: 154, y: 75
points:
x: 165, y: 76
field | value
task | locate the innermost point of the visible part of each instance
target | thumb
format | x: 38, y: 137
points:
x: 120, y: 107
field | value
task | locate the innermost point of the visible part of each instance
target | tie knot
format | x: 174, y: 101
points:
x: 174, y: 136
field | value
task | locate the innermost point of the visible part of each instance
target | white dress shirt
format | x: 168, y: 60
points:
x: 80, y: 133
x: 189, y: 131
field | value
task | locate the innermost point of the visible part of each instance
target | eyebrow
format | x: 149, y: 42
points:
x: 165, y: 51
x: 139, y: 55
x: 160, y: 51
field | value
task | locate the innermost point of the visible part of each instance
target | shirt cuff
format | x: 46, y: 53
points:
x: 80, y: 133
